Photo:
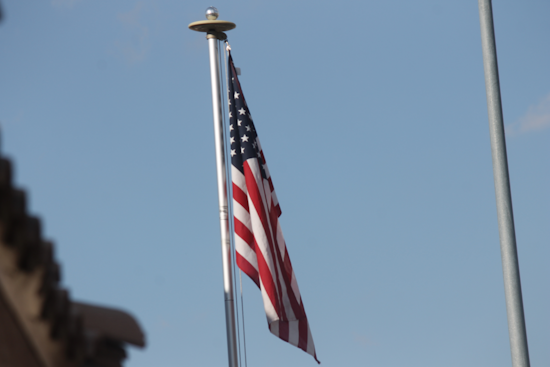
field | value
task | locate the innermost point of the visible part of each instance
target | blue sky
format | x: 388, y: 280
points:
x: 373, y: 119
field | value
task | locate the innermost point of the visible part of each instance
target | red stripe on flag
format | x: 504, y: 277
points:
x: 243, y: 232
x: 267, y: 281
x: 248, y: 269
x: 286, y: 273
x: 240, y: 196
x: 284, y: 330
x: 303, y: 333
x: 256, y: 198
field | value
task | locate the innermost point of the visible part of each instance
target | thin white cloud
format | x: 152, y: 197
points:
x: 135, y: 45
x: 536, y: 118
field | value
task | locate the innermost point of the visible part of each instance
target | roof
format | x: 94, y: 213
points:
x: 41, y: 325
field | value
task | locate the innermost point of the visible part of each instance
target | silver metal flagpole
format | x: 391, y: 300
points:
x: 510, y: 265
x: 214, y: 31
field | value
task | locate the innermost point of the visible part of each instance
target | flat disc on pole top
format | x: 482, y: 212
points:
x: 212, y: 25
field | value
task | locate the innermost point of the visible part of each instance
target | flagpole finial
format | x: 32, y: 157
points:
x: 213, y: 27
x: 212, y: 13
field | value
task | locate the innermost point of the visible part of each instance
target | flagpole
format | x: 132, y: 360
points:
x: 510, y: 265
x: 214, y: 32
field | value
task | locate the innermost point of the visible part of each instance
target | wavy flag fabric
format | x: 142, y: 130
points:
x: 260, y: 247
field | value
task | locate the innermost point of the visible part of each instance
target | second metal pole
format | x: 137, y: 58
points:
x: 222, y: 198
x: 510, y: 264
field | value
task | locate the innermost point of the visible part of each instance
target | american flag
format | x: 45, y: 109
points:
x: 259, y: 243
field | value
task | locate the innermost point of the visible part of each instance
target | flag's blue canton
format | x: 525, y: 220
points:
x: 242, y: 133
